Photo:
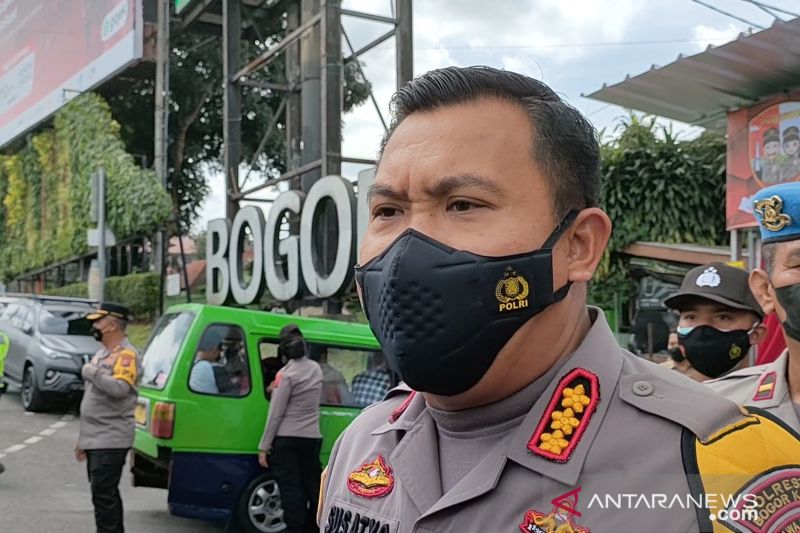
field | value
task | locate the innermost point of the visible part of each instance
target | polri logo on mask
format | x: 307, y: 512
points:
x: 512, y: 291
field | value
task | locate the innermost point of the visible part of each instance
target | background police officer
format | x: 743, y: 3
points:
x: 292, y: 439
x: 106, y: 422
x: 775, y: 387
x: 719, y: 320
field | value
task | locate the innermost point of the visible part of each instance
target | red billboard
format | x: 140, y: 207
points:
x: 52, y: 50
x: 763, y: 149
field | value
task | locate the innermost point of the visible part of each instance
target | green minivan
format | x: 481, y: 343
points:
x: 198, y: 436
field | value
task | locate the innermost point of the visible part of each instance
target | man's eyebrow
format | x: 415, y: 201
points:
x: 443, y: 187
x: 450, y: 184
x: 385, y: 191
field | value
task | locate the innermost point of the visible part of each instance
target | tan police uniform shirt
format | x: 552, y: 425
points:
x: 109, y: 398
x: 762, y: 386
x: 294, y: 404
x: 618, y: 468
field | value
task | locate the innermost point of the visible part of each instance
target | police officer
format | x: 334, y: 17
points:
x: 775, y: 387
x: 106, y: 422
x: 292, y: 440
x: 719, y: 320
x: 521, y: 412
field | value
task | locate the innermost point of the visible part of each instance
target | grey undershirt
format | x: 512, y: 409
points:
x: 466, y: 437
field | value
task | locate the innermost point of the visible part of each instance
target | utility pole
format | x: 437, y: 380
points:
x: 101, y: 230
x: 232, y: 101
x: 161, y: 127
x: 404, y: 42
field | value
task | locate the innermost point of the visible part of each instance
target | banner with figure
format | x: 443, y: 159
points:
x: 763, y: 149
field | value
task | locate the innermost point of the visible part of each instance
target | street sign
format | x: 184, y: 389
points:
x: 93, y: 237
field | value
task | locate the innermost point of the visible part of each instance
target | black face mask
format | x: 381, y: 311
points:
x: 677, y: 355
x: 789, y: 298
x: 97, y: 334
x: 442, y: 315
x: 713, y: 352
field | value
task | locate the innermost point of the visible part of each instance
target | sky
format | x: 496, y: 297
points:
x: 572, y: 45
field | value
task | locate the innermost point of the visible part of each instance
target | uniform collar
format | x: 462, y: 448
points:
x: 599, y: 354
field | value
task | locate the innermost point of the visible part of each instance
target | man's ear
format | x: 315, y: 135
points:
x: 762, y: 290
x: 758, y: 334
x: 588, y: 238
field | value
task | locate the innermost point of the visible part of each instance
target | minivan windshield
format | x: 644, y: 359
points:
x: 162, y: 351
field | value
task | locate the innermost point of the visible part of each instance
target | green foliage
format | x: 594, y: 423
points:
x: 139, y: 292
x: 46, y: 189
x: 657, y: 188
x: 75, y: 290
x: 196, y: 110
x: 139, y: 334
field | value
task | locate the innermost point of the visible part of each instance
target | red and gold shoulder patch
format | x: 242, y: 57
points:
x: 371, y: 480
x: 125, y: 367
x: 766, y: 387
x: 560, y: 519
x: 567, y: 415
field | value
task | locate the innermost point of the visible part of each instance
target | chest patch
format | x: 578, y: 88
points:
x: 346, y: 520
x: 560, y: 519
x: 371, y: 480
x: 567, y: 415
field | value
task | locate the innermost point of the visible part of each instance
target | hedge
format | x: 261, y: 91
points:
x: 139, y: 292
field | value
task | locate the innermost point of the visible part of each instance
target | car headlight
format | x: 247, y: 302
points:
x: 55, y: 354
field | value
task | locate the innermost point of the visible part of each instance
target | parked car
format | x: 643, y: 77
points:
x: 203, y: 447
x: 50, y: 340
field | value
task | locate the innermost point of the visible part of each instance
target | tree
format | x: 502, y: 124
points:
x: 657, y: 188
x: 196, y: 110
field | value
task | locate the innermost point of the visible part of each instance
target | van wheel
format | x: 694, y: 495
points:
x: 260, y: 508
x: 32, y: 398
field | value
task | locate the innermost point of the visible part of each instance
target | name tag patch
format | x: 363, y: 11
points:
x: 341, y: 520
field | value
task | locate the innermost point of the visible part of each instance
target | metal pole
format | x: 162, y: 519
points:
x: 310, y: 95
x: 232, y: 103
x: 736, y: 249
x: 331, y: 102
x: 293, y: 115
x: 161, y: 127
x: 185, y: 271
x: 101, y: 228
x: 404, y: 42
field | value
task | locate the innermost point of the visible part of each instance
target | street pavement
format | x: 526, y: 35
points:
x: 45, y: 489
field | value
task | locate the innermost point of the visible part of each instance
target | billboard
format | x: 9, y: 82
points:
x: 763, y: 149
x: 53, y: 50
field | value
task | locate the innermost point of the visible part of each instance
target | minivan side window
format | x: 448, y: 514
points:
x: 350, y: 377
x: 220, y: 366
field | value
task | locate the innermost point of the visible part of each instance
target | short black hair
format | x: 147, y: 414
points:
x: 565, y: 144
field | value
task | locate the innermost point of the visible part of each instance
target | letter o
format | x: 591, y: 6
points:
x: 341, y: 192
